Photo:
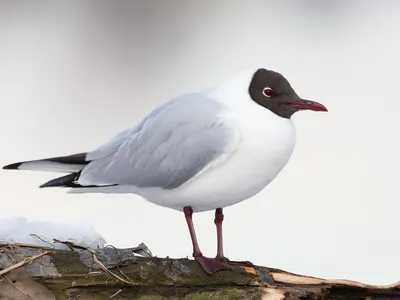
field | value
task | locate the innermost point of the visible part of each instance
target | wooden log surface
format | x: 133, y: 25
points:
x: 28, y: 273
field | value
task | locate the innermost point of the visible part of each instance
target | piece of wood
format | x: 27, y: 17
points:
x: 65, y: 274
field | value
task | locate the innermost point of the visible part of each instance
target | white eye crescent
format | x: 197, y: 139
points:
x: 268, y: 92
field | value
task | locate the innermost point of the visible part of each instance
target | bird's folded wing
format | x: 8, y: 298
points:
x: 178, y: 140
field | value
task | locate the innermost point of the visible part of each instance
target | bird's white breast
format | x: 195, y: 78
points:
x: 266, y: 144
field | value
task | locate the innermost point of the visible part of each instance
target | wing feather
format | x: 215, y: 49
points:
x: 174, y: 143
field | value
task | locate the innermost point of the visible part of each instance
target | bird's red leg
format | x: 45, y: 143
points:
x: 219, y: 217
x: 188, y: 215
x: 209, y: 265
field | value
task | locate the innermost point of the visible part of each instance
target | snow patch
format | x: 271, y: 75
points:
x: 20, y: 230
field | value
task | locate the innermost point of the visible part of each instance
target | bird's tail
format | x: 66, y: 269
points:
x: 63, y: 164
x: 72, y: 164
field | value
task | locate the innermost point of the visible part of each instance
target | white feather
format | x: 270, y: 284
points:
x: 50, y: 166
x: 264, y: 145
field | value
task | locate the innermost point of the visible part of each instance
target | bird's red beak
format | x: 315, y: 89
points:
x: 307, y: 105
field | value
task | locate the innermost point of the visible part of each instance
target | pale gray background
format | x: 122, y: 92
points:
x: 73, y: 73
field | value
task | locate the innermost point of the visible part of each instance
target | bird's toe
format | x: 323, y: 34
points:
x: 211, y: 265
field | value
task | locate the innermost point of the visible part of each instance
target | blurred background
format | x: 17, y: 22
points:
x: 74, y: 73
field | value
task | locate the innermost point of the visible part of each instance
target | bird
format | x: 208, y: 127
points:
x: 198, y: 151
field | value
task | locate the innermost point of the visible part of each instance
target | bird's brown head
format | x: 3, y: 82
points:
x: 272, y: 91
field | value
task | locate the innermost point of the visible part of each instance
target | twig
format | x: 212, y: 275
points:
x: 94, y: 272
x: 22, y: 245
x: 104, y: 268
x: 96, y: 260
x: 122, y: 273
x: 14, y: 256
x: 70, y: 245
x: 116, y: 250
x: 43, y: 240
x: 119, y: 257
x: 25, y: 261
x: 113, y: 295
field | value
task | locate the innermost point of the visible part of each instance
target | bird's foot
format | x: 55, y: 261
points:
x: 233, y: 262
x: 211, y: 265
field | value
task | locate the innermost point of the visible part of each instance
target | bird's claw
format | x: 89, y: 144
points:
x: 212, y: 265
x: 233, y: 262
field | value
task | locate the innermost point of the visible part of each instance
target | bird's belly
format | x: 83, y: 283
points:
x: 255, y: 163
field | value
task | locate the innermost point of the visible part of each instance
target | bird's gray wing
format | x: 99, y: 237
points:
x: 175, y: 142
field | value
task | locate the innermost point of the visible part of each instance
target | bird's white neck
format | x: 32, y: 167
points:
x: 233, y: 92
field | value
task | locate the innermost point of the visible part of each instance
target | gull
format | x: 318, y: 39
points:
x: 199, y: 151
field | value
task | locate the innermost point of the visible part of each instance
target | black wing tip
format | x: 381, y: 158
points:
x: 63, y: 181
x: 13, y: 166
x: 45, y: 185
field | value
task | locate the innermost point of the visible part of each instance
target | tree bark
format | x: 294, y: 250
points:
x: 110, y: 273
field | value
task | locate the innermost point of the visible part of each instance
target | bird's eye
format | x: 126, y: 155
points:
x: 268, y: 92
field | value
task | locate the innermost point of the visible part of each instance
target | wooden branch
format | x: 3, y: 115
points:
x: 111, y: 273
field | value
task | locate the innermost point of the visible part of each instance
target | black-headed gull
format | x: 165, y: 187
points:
x: 197, y: 152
